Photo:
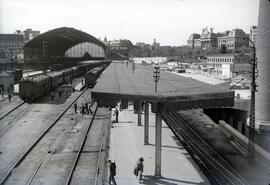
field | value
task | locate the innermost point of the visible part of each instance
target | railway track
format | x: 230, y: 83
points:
x: 3, y: 99
x: 7, y: 121
x: 20, y: 159
x: 82, y: 144
x: 12, y: 110
x: 72, y: 170
x: 218, y: 171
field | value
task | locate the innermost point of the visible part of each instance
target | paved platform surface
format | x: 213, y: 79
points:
x: 126, y: 146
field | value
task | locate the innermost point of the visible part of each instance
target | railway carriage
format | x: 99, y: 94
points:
x: 32, y: 88
x: 56, y: 79
x: 67, y: 75
x: 35, y: 87
x: 92, y: 75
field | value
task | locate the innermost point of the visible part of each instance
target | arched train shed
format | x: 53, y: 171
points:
x: 64, y: 45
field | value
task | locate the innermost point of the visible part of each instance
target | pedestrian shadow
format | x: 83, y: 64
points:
x: 167, y: 146
x: 125, y: 122
x: 152, y: 180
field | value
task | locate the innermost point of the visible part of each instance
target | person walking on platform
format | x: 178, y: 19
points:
x: 112, y: 172
x: 2, y: 91
x: 83, y: 109
x: 89, y: 108
x: 138, y: 170
x: 52, y: 95
x: 75, y: 107
x: 86, y: 107
x: 116, y: 115
x: 59, y: 93
x: 9, y: 97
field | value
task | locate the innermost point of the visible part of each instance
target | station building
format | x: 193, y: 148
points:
x: 228, y: 65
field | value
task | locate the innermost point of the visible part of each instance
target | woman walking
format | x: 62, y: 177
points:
x: 138, y: 170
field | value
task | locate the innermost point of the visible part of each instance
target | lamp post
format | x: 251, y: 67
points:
x: 156, y: 75
x: 11, y: 57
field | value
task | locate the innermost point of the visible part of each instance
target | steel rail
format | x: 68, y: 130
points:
x: 201, y: 150
x: 41, y: 162
x: 180, y: 134
x: 23, y: 156
x: 99, y: 155
x: 228, y: 167
x: 7, y: 125
x: 80, y: 149
x: 12, y: 110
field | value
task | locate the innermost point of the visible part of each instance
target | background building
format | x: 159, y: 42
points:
x: 234, y: 40
x: 119, y: 49
x: 28, y: 34
x: 208, y: 39
x: 228, y: 65
x: 253, y: 35
x: 12, y: 45
x: 191, y: 41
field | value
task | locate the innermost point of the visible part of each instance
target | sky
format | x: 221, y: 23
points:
x: 169, y: 21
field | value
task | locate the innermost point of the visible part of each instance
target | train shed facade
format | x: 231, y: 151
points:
x: 62, y: 45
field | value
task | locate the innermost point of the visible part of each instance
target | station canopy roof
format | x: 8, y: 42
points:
x: 136, y: 82
x: 61, y: 39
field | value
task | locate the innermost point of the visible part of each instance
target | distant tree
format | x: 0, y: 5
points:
x: 211, y: 51
x: 196, y: 53
x: 244, y: 49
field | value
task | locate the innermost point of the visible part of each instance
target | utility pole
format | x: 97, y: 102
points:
x: 11, y: 57
x: 254, y: 75
x: 133, y: 67
x: 44, y: 48
x: 156, y: 75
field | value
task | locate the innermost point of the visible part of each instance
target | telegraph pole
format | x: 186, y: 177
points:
x: 156, y: 75
x: 44, y: 48
x: 254, y: 75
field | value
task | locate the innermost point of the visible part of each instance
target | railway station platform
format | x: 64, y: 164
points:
x: 124, y: 82
x: 127, y: 145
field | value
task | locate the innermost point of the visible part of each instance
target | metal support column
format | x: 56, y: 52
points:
x: 158, y: 145
x: 146, y: 123
x: 140, y: 114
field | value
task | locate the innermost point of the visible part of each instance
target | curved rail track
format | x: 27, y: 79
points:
x: 218, y: 171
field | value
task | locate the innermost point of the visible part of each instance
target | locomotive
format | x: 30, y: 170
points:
x: 91, y: 76
x: 35, y: 87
